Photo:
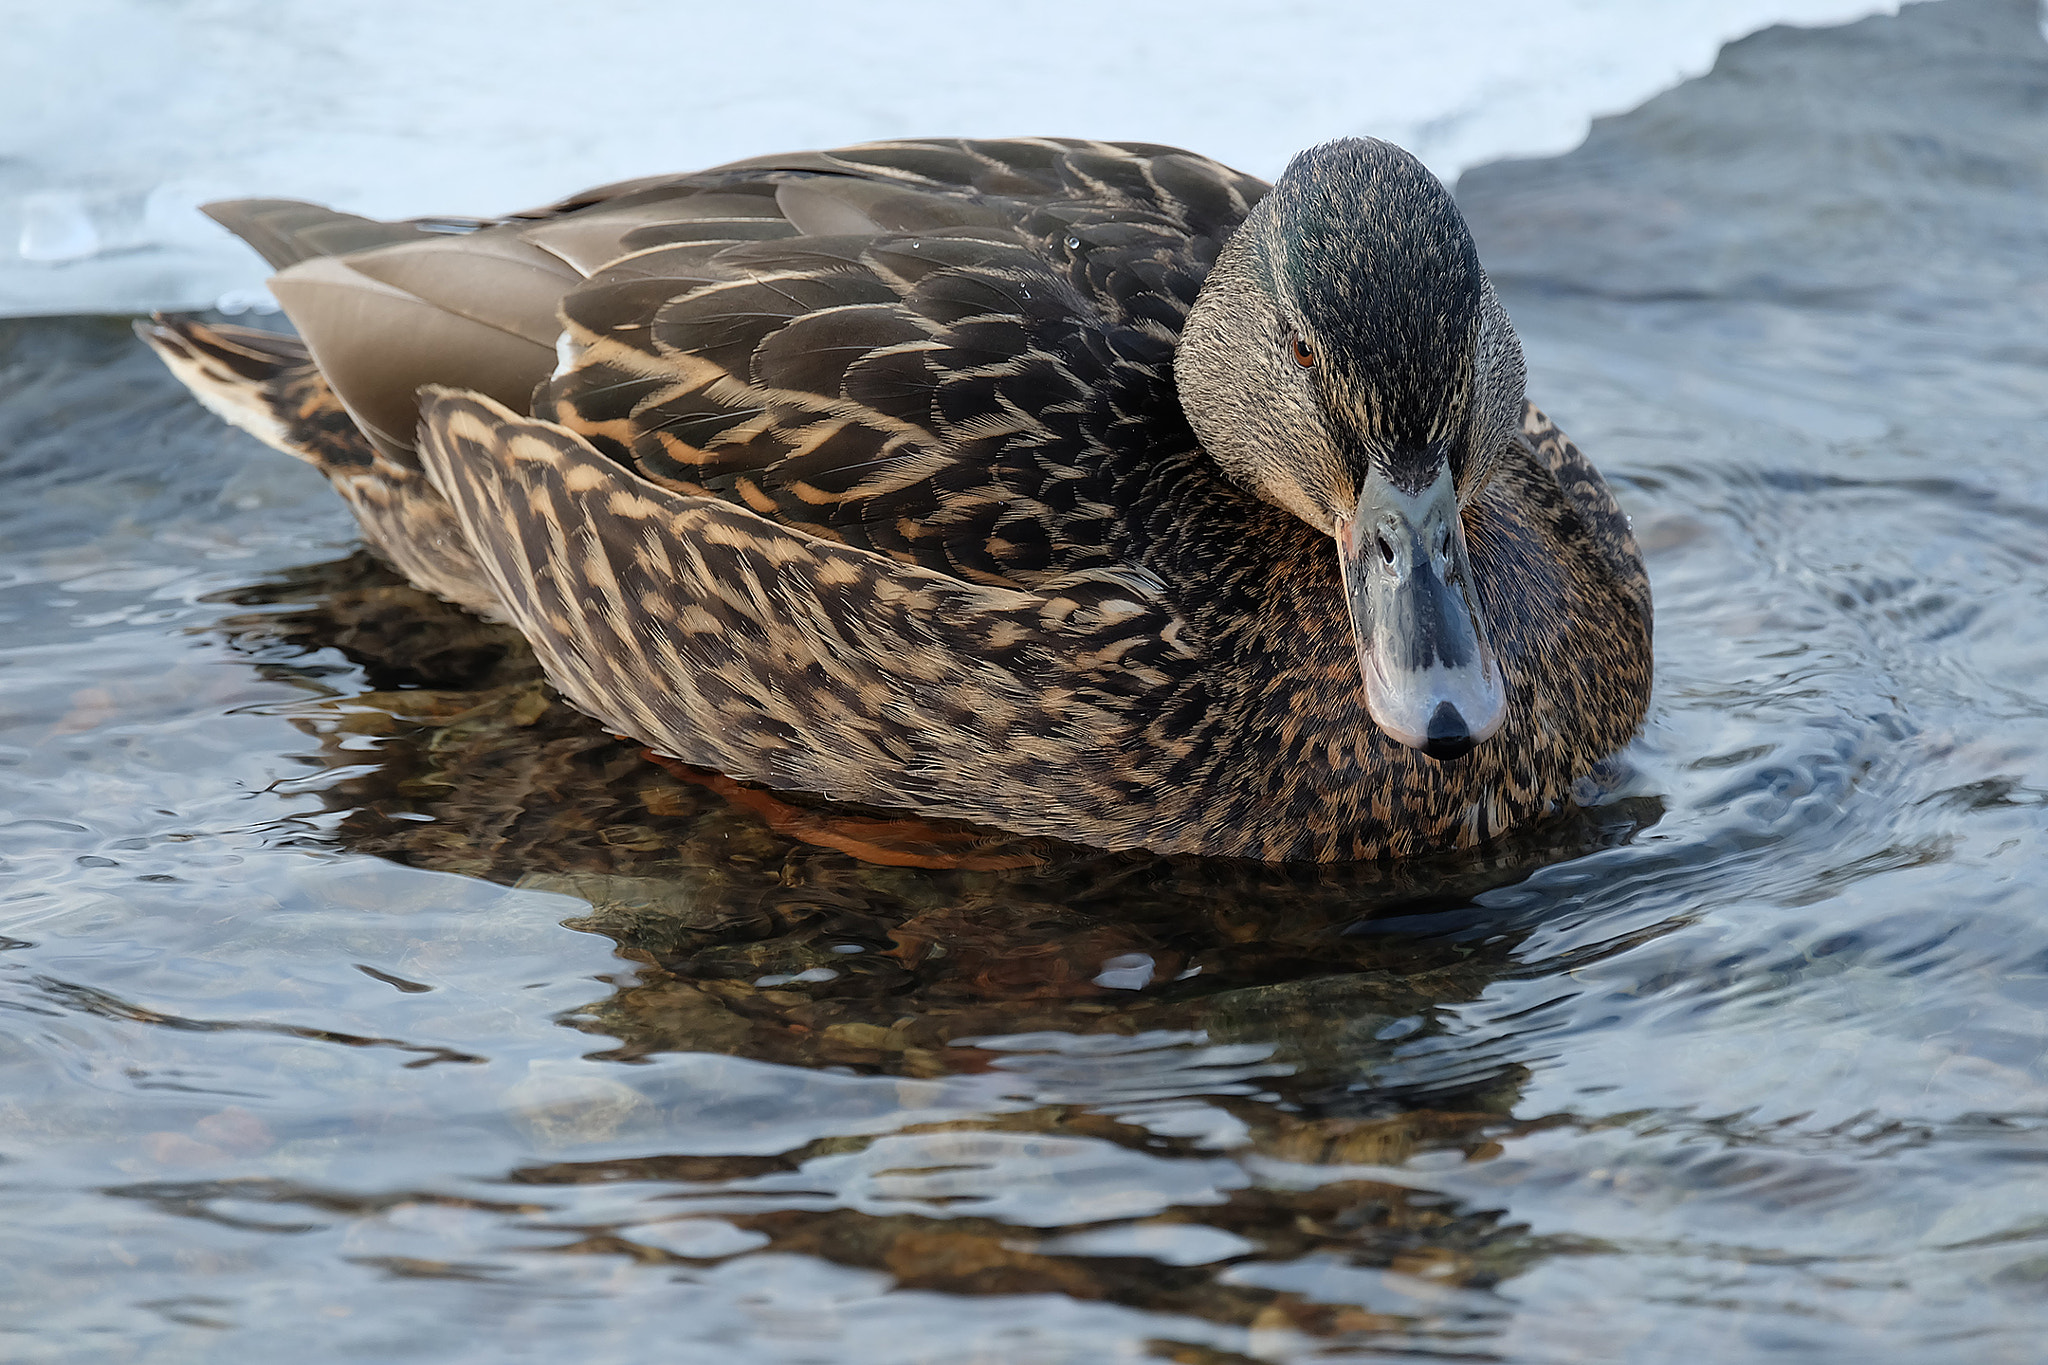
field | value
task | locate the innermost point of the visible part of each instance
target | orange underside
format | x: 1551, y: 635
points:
x: 907, y: 842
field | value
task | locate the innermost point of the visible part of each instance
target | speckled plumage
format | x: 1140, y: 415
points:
x: 864, y: 473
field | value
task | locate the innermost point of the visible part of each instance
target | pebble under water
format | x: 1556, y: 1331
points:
x: 358, y: 1000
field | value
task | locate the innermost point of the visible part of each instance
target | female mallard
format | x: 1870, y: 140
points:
x: 1082, y: 489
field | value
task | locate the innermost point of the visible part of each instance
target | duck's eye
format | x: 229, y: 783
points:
x: 1304, y: 355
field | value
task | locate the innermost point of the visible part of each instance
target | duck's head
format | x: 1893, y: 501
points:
x: 1347, y: 361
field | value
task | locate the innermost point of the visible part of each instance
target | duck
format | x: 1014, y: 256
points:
x: 1087, y: 490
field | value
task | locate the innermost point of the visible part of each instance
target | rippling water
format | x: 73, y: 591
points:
x: 362, y: 1002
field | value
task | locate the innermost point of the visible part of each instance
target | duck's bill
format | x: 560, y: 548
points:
x: 1431, y: 679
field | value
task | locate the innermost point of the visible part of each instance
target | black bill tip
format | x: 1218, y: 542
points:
x: 1449, y: 738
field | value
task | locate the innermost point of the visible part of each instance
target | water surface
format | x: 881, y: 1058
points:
x: 362, y: 1002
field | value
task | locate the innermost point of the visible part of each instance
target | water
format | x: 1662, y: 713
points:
x: 362, y: 1003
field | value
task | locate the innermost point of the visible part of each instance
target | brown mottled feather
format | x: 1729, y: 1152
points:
x: 863, y: 473
x: 269, y: 386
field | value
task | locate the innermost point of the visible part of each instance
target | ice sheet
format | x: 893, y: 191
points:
x: 117, y: 117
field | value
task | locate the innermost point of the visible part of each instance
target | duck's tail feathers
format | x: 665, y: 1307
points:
x: 263, y: 382
x: 287, y: 231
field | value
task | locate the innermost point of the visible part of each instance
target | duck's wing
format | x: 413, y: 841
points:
x: 956, y: 358
x: 945, y: 351
x: 385, y: 308
x: 737, y: 643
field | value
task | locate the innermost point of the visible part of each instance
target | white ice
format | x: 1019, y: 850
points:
x: 117, y: 117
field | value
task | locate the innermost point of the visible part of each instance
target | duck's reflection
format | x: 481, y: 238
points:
x: 1138, y: 1010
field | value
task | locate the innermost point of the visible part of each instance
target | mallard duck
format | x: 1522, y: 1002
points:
x: 1082, y: 489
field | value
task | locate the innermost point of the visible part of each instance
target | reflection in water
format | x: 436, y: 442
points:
x: 1133, y: 1014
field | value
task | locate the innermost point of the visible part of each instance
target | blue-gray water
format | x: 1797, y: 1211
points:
x: 358, y: 1003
